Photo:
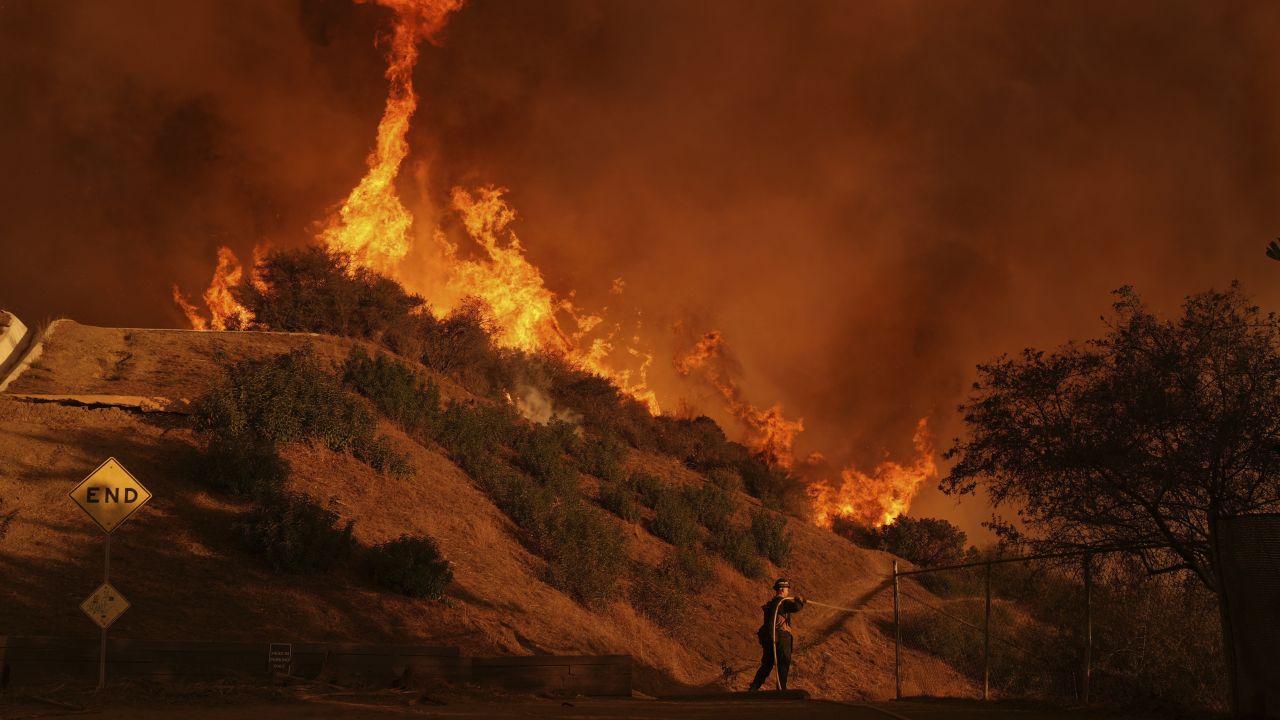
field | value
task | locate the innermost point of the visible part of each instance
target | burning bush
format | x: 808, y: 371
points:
x: 662, y: 593
x: 770, y: 534
x: 296, y: 534
x: 316, y: 290
x: 603, y: 407
x: 461, y: 346
x: 411, y: 565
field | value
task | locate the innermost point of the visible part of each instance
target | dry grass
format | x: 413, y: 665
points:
x: 180, y: 564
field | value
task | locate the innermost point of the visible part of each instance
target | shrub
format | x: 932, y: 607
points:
x: 461, y: 346
x: 647, y: 486
x: 317, y: 290
x: 620, y: 501
x: 727, y: 479
x: 673, y: 519
x: 411, y: 565
x: 296, y: 534
x: 662, y: 593
x: 285, y: 398
x: 601, y: 404
x: 241, y: 466
x: 471, y: 432
x: 738, y: 548
x: 711, y: 505
x: 771, y: 537
x: 602, y: 457
x: 540, y: 451
x: 923, y: 541
x: 586, y: 554
x: 380, y: 455
x: 776, y: 488
x: 394, y: 389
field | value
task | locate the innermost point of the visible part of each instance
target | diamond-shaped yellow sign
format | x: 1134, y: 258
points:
x: 105, y: 605
x: 110, y: 495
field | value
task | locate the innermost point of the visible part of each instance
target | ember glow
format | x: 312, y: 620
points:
x: 375, y: 229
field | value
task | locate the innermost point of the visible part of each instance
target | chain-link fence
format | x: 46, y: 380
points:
x: 1064, y: 627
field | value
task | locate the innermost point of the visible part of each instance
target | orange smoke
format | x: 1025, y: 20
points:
x: 375, y: 229
x: 768, y: 433
x: 224, y: 312
x: 878, y: 498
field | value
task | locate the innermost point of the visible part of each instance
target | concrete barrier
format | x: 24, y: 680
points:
x: 33, y: 661
x: 13, y: 337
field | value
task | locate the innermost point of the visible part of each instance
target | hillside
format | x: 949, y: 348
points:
x: 181, y: 566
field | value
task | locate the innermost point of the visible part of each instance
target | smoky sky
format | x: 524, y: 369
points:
x: 867, y: 198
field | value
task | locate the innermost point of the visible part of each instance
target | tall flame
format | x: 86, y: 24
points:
x: 877, y: 498
x: 525, y: 312
x: 373, y: 225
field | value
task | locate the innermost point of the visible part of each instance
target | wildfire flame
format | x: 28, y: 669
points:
x: 877, y: 498
x: 871, y: 500
x: 373, y: 225
x: 374, y: 228
x: 523, y: 309
x: 224, y: 311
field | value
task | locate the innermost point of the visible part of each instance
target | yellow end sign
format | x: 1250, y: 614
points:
x: 110, y: 495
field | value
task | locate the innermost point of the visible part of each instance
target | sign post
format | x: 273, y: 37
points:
x: 109, y: 496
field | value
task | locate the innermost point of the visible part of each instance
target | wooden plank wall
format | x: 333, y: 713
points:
x: 28, y: 661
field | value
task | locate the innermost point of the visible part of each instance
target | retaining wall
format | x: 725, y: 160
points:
x: 27, y: 661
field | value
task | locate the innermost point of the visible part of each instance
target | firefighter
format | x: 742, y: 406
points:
x: 775, y: 634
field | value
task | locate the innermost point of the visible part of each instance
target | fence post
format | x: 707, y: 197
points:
x: 1088, y: 628
x: 986, y: 642
x: 897, y: 638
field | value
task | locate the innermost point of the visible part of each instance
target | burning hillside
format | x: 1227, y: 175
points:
x: 375, y: 230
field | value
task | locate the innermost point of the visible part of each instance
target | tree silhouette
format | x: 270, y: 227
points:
x: 1142, y: 437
